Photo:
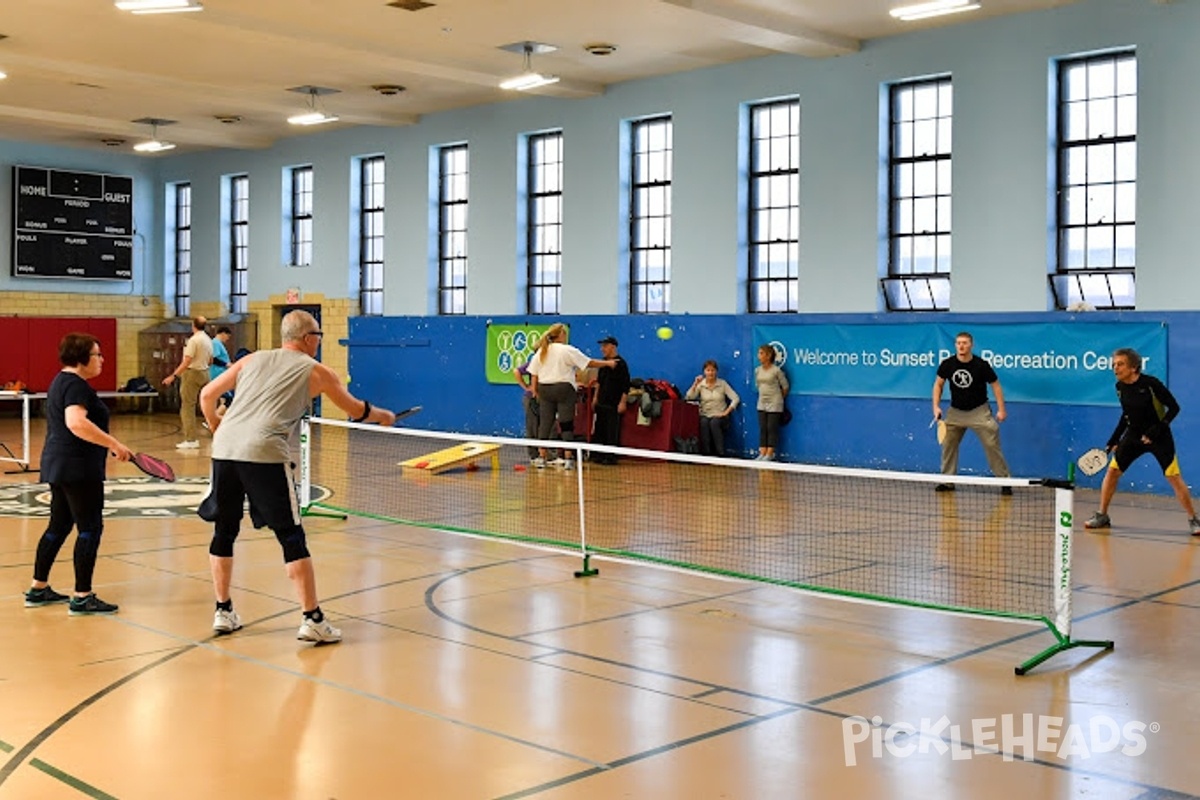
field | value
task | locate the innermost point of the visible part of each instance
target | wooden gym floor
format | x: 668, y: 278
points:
x: 478, y: 669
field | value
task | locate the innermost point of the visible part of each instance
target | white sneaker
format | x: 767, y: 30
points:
x: 226, y: 621
x: 319, y: 632
x: 557, y: 462
x: 190, y: 444
x: 568, y: 463
x: 538, y: 463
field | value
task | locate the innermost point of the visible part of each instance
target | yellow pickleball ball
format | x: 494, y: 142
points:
x: 665, y: 333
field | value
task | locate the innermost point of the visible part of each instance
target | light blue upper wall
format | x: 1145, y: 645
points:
x: 268, y: 170
x: 1001, y: 70
x: 147, y: 217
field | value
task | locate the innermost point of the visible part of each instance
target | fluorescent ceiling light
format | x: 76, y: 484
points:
x: 527, y: 81
x: 3, y: 74
x: 936, y: 8
x: 316, y: 113
x: 153, y: 146
x: 158, y: 6
x: 312, y: 118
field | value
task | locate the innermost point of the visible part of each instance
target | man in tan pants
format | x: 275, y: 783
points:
x: 192, y: 374
x: 969, y: 377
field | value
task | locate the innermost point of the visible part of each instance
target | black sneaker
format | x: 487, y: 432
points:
x: 1006, y: 491
x: 90, y: 604
x: 944, y: 487
x: 45, y: 596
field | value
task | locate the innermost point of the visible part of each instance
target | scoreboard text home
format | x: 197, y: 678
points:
x: 72, y: 225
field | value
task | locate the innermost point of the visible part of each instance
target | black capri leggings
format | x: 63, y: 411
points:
x: 768, y: 428
x: 80, y: 505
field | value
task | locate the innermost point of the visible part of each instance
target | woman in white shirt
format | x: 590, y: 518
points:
x: 717, y: 401
x: 553, y: 369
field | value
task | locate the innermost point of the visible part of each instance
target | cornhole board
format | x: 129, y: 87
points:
x: 457, y: 456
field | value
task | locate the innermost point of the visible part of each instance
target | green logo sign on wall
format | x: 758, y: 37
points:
x: 509, y: 346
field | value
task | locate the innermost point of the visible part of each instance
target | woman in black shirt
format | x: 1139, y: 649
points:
x: 73, y: 460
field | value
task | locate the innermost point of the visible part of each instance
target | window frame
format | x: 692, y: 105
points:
x: 302, y: 216
x: 182, y: 250
x: 544, y: 221
x: 650, y: 190
x: 929, y: 289
x: 1069, y: 285
x: 372, y: 174
x: 239, y: 243
x: 763, y: 181
x: 453, y: 210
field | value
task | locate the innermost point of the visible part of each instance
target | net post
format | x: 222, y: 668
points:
x: 1060, y: 626
x: 587, y: 571
x: 22, y: 460
x: 305, y: 464
x: 25, y: 429
x: 1064, y: 519
x: 305, y: 491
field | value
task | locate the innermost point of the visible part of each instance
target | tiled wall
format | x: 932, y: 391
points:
x: 335, y: 314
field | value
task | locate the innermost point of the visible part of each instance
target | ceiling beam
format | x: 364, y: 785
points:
x: 295, y: 31
x: 772, y: 30
x: 154, y: 85
x: 87, y: 126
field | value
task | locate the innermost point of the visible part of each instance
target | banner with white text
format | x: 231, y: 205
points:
x: 1068, y: 363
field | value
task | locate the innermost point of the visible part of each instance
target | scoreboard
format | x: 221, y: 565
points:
x: 72, y: 225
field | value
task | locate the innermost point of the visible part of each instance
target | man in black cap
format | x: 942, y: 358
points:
x: 608, y: 400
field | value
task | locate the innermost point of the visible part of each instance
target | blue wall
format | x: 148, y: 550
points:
x: 1002, y: 70
x: 438, y: 362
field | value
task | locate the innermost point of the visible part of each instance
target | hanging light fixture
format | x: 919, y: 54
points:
x: 315, y: 115
x: 528, y: 79
x: 153, y: 144
x: 158, y: 6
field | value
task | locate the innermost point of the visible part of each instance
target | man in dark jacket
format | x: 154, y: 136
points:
x: 1147, y: 409
x: 608, y: 400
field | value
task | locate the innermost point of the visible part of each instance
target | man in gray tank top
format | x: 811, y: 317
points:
x: 251, y: 459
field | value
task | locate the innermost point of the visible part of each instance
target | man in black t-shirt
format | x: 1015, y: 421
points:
x: 969, y: 376
x: 608, y: 400
x: 1147, y: 408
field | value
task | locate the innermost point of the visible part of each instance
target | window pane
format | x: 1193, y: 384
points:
x: 650, y: 210
x: 920, y: 168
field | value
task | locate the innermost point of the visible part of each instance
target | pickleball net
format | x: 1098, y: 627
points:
x: 991, y: 547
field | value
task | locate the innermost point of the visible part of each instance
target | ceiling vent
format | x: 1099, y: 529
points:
x: 410, y: 5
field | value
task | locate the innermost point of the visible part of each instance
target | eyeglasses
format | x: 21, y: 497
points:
x: 97, y: 354
x: 315, y: 333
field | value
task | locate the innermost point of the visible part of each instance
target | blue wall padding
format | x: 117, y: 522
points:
x: 438, y: 362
